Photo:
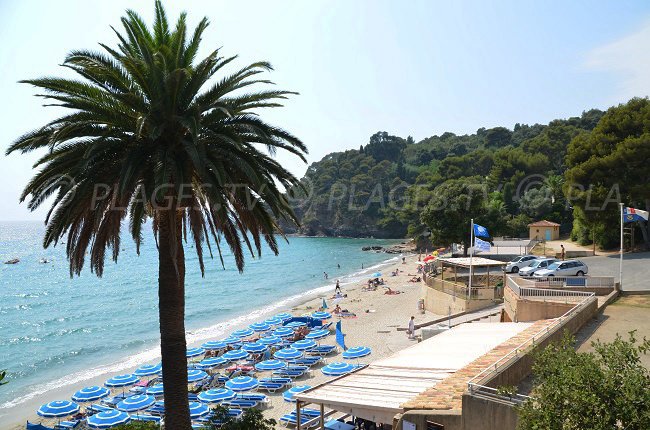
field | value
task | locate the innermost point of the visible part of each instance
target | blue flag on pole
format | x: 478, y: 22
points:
x: 480, y: 231
x: 481, y: 245
x: 631, y: 215
x: 340, y: 337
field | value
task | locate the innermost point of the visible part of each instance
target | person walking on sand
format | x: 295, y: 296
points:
x: 562, y: 252
x: 411, y: 330
x: 337, y: 289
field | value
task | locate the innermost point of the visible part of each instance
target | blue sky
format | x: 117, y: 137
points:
x: 410, y: 68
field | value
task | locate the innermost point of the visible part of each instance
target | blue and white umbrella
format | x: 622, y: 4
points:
x: 254, y: 348
x: 317, y: 334
x: 232, y: 340
x: 58, y: 409
x: 148, y: 370
x: 287, y: 354
x: 194, y: 352
x: 260, y: 327
x: 289, y: 395
x: 211, y: 363
x: 376, y: 275
x: 242, y: 383
x: 270, y: 365
x: 216, y: 395
x: 245, y: 332
x: 136, y: 403
x: 338, y: 369
x: 284, y: 316
x: 283, y: 332
x: 295, y: 324
x: 156, y: 390
x: 90, y: 394
x: 356, y: 352
x: 321, y: 315
x: 273, y: 321
x: 195, y: 375
x: 108, y: 419
x: 270, y: 340
x: 214, y: 345
x: 122, y: 380
x: 235, y: 355
x: 198, y: 410
x: 304, y: 345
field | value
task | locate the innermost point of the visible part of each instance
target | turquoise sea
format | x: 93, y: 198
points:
x: 56, y: 331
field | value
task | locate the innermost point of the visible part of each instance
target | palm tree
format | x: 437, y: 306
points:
x: 150, y: 135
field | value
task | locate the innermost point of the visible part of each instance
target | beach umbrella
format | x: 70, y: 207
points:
x: 254, y: 348
x: 194, y: 352
x: 198, y: 409
x: 107, y: 419
x: 148, y: 370
x: 270, y: 340
x: 283, y: 332
x: 214, y: 345
x: 321, y: 315
x: 212, y: 362
x: 287, y: 354
x: 317, y: 334
x: 136, y: 403
x: 304, y: 345
x: 270, y: 365
x: 291, y: 392
x: 58, y: 409
x: 428, y: 258
x: 273, y: 321
x: 122, y: 380
x: 245, y: 332
x: 216, y: 395
x: 260, y: 327
x: 295, y: 324
x: 242, y: 383
x: 338, y: 369
x: 90, y: 394
x: 231, y: 340
x: 195, y: 375
x: 156, y: 390
x: 284, y: 316
x: 376, y: 275
x: 356, y: 352
x: 235, y: 354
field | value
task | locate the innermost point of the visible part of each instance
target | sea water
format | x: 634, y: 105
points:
x: 57, y: 331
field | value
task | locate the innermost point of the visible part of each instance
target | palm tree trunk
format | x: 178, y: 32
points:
x: 171, y: 299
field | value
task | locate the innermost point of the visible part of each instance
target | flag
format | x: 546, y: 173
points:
x: 631, y: 214
x: 481, y: 245
x: 340, y: 337
x: 324, y: 304
x: 480, y: 231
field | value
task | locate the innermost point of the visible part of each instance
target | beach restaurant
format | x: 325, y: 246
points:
x: 388, y: 389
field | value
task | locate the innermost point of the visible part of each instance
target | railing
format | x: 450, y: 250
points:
x: 573, y: 281
x: 460, y: 291
x: 473, y: 384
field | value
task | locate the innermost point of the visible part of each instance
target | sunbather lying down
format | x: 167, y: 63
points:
x: 392, y: 292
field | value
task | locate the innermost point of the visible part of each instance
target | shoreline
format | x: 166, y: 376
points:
x: 63, y: 388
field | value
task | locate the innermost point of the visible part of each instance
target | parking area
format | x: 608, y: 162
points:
x: 636, y: 269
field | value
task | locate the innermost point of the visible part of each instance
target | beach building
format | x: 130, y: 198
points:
x: 544, y: 230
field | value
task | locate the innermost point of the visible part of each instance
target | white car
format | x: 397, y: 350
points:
x: 563, y: 268
x: 537, y: 264
x: 518, y: 263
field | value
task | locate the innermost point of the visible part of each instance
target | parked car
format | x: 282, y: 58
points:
x: 563, y: 268
x: 537, y: 264
x: 518, y: 263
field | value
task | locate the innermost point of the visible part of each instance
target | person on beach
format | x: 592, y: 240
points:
x: 562, y: 252
x: 337, y: 289
x: 411, y: 330
x: 337, y: 310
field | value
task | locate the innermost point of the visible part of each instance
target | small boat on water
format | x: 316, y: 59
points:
x: 44, y: 261
x: 12, y: 261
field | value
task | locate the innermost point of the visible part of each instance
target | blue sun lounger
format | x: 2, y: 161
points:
x: 305, y: 416
x: 322, y: 350
x: 33, y: 426
x: 64, y: 425
x: 307, y: 361
x: 145, y: 417
x: 293, y: 374
x: 241, y: 403
x: 255, y: 397
x: 271, y: 387
x: 96, y: 408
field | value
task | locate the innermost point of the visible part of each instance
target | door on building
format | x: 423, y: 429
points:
x: 434, y: 426
x: 548, y: 235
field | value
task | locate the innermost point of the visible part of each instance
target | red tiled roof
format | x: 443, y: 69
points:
x: 543, y: 223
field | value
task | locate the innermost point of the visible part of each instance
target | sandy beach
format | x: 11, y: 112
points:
x: 375, y: 326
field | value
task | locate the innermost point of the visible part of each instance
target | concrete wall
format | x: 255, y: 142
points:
x: 452, y: 420
x: 441, y: 303
x: 487, y: 413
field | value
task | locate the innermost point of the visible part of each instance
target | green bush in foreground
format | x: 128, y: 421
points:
x: 252, y: 419
x: 601, y: 390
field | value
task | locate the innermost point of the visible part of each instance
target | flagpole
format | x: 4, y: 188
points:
x: 471, y: 257
x: 620, y: 253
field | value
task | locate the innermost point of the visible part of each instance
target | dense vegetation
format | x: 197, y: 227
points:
x: 504, y: 179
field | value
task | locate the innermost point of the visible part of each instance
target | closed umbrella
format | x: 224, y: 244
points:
x: 194, y: 352
x: 356, y: 352
x: 283, y: 332
x: 156, y: 390
x: 198, y: 410
x: 214, y: 345
x: 242, y: 383
x: 235, y: 354
x: 90, y: 394
x: 287, y: 354
x: 148, y: 370
x: 245, y: 332
x: 338, y: 369
x: 254, y: 348
x: 216, y: 395
x: 321, y: 315
x: 108, y: 419
x: 195, y: 375
x: 304, y: 345
x: 260, y: 327
x: 270, y: 365
x: 270, y: 340
x: 289, y: 395
x: 211, y: 363
x: 136, y: 403
x: 122, y: 380
x: 317, y: 334
x: 58, y: 409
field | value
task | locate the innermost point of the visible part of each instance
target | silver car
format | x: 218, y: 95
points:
x: 518, y: 263
x: 563, y: 268
x: 537, y: 264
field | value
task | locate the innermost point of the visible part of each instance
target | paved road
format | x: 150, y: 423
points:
x: 636, y: 269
